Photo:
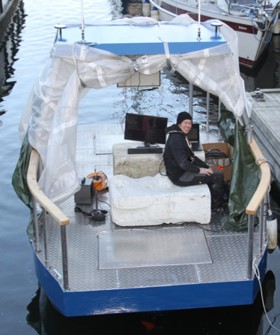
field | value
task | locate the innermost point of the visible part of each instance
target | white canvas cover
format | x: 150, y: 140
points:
x: 51, y: 115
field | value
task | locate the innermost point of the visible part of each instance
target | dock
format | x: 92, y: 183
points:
x: 266, y: 121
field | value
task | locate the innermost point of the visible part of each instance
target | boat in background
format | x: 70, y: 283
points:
x: 255, y: 22
x: 88, y: 262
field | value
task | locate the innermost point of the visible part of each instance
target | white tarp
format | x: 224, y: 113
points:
x: 51, y: 115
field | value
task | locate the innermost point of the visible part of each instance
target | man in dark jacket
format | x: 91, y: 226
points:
x: 183, y: 168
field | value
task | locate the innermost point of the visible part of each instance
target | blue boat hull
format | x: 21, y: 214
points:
x: 160, y: 298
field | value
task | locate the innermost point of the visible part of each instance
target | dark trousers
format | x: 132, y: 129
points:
x: 215, y: 182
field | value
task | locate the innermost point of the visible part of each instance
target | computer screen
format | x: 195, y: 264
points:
x: 145, y: 128
x: 193, y: 135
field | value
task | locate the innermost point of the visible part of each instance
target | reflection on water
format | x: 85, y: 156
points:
x: 244, y: 320
x: 9, y: 45
x: 267, y: 74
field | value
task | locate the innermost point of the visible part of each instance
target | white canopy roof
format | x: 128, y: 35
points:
x: 51, y: 115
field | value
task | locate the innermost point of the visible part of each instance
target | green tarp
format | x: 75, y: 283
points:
x: 245, y: 172
x: 19, y: 179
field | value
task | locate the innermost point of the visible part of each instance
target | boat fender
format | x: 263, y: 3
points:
x: 146, y: 8
x: 154, y: 13
x: 271, y: 228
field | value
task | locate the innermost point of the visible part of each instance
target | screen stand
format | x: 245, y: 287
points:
x: 147, y: 148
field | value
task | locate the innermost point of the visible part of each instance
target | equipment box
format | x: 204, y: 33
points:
x: 84, y: 195
x: 219, y: 157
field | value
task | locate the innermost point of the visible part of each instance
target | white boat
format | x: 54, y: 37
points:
x: 109, y: 256
x: 254, y: 22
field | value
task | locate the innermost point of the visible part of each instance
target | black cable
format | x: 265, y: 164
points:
x: 160, y: 169
x: 94, y: 215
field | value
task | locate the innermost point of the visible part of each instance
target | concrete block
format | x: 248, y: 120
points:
x: 156, y: 200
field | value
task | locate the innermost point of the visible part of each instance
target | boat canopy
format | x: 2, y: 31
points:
x: 206, y: 59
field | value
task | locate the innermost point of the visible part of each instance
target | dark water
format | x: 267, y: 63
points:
x: 26, y: 46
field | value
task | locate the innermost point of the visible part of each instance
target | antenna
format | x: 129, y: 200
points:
x: 59, y: 28
x: 217, y: 24
x: 82, y: 21
x: 199, y: 19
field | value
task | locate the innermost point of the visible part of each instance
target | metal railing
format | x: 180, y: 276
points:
x: 55, y: 212
x: 255, y: 207
x: 258, y: 204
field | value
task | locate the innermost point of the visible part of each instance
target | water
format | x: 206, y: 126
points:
x: 26, y: 50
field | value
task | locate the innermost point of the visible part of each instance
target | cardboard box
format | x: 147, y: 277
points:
x: 222, y: 164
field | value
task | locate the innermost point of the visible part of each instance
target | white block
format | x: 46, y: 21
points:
x: 139, y: 165
x: 156, y: 200
x: 135, y: 165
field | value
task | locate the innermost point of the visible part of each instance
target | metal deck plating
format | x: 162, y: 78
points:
x: 114, y: 269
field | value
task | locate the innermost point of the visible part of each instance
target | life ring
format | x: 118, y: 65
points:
x: 99, y: 180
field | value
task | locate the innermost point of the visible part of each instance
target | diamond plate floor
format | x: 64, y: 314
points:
x: 140, y: 248
x: 102, y: 256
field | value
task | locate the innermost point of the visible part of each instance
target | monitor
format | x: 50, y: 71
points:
x: 148, y: 129
x: 193, y: 134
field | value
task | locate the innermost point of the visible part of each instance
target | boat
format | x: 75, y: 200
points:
x: 255, y: 22
x: 95, y: 249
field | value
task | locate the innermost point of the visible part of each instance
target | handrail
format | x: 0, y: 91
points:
x: 39, y: 195
x: 265, y: 180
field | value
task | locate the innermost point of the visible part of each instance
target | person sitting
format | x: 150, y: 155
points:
x: 183, y: 168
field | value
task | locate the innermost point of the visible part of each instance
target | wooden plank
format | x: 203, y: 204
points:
x: 39, y: 195
x: 265, y: 180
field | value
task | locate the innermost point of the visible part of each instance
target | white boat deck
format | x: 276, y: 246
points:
x: 103, y: 256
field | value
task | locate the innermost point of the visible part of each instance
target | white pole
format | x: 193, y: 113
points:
x: 199, y: 7
x: 82, y: 20
x: 199, y: 13
x: 82, y: 13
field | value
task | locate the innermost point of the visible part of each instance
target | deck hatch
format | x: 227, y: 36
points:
x: 152, y: 247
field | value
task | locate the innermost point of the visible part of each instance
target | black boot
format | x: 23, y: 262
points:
x: 219, y: 192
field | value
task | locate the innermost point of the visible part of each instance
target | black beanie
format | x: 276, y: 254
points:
x: 183, y: 116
